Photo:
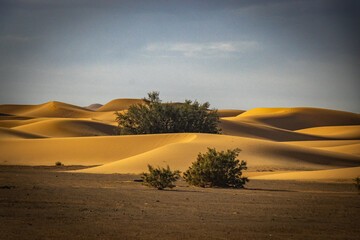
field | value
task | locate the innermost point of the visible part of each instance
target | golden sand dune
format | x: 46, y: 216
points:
x: 342, y: 146
x: 82, y: 151
x: 260, y: 154
x: 50, y: 109
x: 332, y: 174
x: 119, y: 104
x: 16, y: 122
x: 68, y: 128
x: 348, y: 149
x: 131, y: 154
x: 340, y: 132
x: 229, y: 112
x: 265, y: 136
x: 6, y: 133
x: 4, y: 116
x: 235, y: 127
x: 107, y: 117
x: 299, y: 118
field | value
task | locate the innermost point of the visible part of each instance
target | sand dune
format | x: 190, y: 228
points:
x: 50, y: 109
x: 6, y: 133
x: 276, y: 139
x: 119, y: 104
x: 131, y: 154
x: 336, y: 132
x: 235, y: 127
x: 94, y: 106
x: 82, y: 151
x: 15, y: 122
x: 348, y: 149
x: 299, y: 118
x: 68, y: 128
x: 229, y: 112
x: 333, y: 174
x: 342, y: 146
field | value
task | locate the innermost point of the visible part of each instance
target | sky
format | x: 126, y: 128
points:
x: 234, y: 54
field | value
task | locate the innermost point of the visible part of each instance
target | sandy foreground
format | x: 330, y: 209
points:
x: 301, y: 162
x: 43, y: 203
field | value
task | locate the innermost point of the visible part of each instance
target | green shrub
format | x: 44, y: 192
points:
x: 217, y: 168
x: 58, y: 164
x: 152, y: 117
x: 160, y: 178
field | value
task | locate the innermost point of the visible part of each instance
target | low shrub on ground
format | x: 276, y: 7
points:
x: 160, y: 178
x: 217, y: 168
x: 58, y: 164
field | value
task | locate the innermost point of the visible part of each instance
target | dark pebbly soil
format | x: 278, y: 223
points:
x: 45, y: 203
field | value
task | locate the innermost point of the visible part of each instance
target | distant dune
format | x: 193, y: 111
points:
x: 311, y: 143
x: 299, y: 118
x: 340, y: 132
x: 119, y: 104
x: 94, y: 106
x: 50, y: 109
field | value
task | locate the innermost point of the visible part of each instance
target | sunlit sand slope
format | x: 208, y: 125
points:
x: 333, y: 174
x: 259, y: 154
x: 235, y: 127
x: 229, y: 112
x: 68, y: 128
x: 336, y: 132
x: 8, y: 133
x: 50, y: 109
x: 342, y: 146
x: 299, y: 118
x: 82, y: 151
x: 119, y: 104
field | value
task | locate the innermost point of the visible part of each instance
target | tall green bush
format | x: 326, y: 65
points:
x: 217, y: 168
x: 155, y: 117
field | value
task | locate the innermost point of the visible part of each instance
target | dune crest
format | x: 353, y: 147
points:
x: 119, y: 104
x: 299, y: 118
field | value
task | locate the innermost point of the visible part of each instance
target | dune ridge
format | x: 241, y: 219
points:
x: 300, y: 118
x: 119, y: 104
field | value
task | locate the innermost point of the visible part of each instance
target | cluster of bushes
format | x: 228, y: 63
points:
x: 213, y: 168
x: 155, y: 117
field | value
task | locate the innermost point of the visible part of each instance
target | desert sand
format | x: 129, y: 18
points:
x: 51, y: 203
x: 301, y: 165
x: 271, y: 140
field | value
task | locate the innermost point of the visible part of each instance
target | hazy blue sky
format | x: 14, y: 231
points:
x: 234, y: 54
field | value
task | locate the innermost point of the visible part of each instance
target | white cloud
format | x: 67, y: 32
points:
x: 211, y: 49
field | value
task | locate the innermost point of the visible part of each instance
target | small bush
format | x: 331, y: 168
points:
x: 160, y: 178
x: 58, y: 164
x: 357, y: 183
x: 217, y: 168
